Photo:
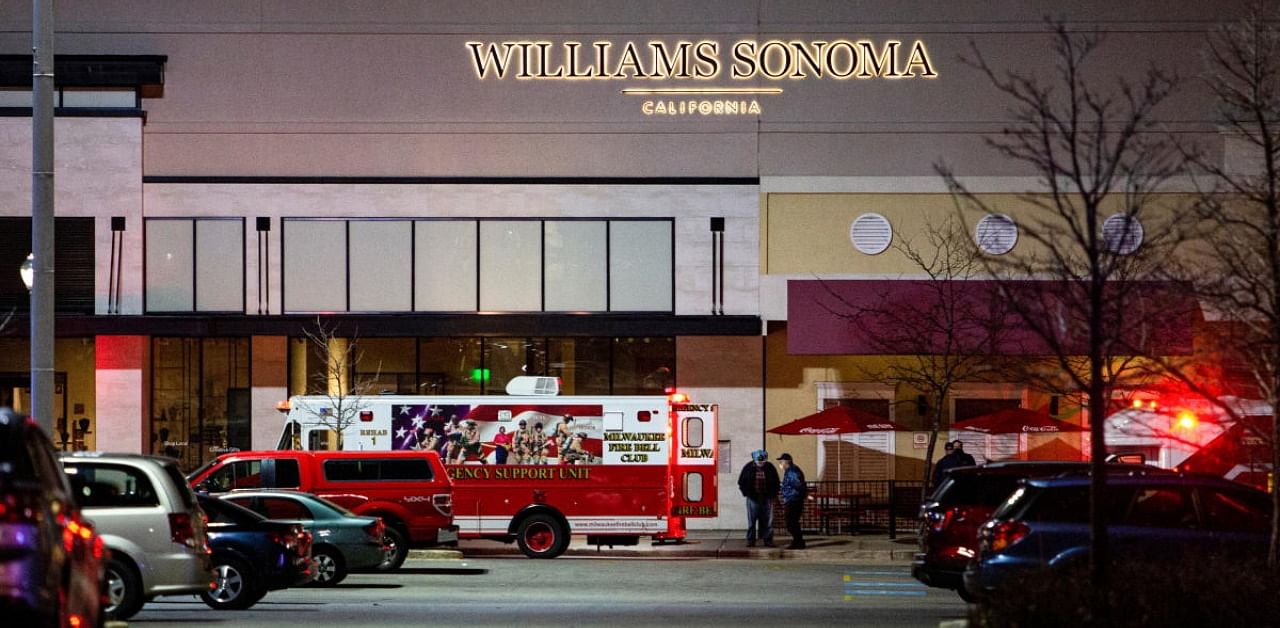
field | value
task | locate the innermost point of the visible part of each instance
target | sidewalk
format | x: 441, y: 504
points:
x: 713, y: 544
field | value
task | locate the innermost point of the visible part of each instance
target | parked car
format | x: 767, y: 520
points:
x: 951, y: 517
x: 409, y: 490
x: 341, y: 541
x: 148, y: 518
x: 51, y: 559
x: 1160, y: 519
x: 252, y: 555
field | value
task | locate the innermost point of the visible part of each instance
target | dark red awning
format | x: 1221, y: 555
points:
x: 891, y: 317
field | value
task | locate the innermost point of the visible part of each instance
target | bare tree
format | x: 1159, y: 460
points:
x: 1096, y: 152
x: 939, y: 332
x: 1238, y: 263
x: 344, y: 393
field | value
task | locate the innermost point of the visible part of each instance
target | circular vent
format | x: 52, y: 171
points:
x: 1122, y: 233
x: 871, y: 234
x: 996, y: 234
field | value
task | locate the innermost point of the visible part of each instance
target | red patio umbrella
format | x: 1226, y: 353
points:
x: 1016, y: 421
x: 837, y: 420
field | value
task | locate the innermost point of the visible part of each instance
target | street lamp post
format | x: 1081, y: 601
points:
x: 42, y: 88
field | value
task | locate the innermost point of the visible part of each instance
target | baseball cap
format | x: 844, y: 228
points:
x: 786, y: 457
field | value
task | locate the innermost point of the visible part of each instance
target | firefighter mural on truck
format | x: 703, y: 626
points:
x: 467, y: 434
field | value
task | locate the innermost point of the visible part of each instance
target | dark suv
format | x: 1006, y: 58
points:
x: 1171, y: 520
x: 51, y: 558
x: 966, y: 498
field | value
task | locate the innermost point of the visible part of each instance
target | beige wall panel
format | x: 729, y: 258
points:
x: 808, y: 234
x: 726, y: 371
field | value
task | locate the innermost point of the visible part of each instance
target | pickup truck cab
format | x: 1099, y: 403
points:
x: 409, y: 490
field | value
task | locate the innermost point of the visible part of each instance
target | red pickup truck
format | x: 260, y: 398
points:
x: 409, y: 490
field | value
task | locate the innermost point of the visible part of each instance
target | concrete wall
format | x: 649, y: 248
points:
x: 286, y: 87
x: 97, y: 173
x: 726, y: 371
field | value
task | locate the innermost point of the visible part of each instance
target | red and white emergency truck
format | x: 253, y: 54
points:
x: 612, y: 468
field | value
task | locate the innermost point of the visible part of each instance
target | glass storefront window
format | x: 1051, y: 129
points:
x: 387, y: 365
x: 643, y: 366
x: 582, y: 364
x: 200, y: 398
x: 483, y: 366
x: 449, y: 366
x: 505, y: 358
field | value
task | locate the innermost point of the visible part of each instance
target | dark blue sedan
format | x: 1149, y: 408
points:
x: 252, y: 555
x: 342, y: 542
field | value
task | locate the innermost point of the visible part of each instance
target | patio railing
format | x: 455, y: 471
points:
x: 859, y: 506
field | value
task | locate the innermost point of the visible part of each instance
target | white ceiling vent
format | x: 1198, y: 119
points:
x: 996, y: 234
x: 871, y: 233
x: 1122, y: 233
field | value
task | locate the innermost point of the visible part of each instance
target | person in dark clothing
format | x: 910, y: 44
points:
x: 948, y: 461
x: 794, y: 491
x: 965, y: 459
x: 758, y: 483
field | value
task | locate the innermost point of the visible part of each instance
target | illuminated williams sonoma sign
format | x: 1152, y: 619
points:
x: 697, y: 64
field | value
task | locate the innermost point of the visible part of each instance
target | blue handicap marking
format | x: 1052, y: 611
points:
x: 858, y: 584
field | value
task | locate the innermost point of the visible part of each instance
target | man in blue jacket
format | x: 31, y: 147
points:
x: 794, y: 492
x: 758, y: 482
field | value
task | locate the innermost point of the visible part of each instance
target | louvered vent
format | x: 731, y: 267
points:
x: 871, y: 234
x: 996, y: 234
x: 1122, y: 233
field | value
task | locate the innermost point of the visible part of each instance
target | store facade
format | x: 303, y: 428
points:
x: 477, y: 190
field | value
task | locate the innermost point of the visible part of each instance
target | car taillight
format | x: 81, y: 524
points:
x: 443, y: 503
x: 939, y: 520
x: 75, y: 531
x: 999, y: 535
x: 182, y: 529
x: 376, y: 529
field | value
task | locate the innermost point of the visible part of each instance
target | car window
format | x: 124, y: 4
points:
x: 1069, y: 504
x: 287, y: 475
x: 226, y: 513
x: 349, y: 470
x: 112, y: 486
x: 234, y: 475
x: 975, y: 490
x: 1161, y: 507
x: 284, y: 508
x: 16, y: 458
x: 1236, y: 511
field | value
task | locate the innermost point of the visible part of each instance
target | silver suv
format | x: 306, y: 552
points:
x: 148, y: 517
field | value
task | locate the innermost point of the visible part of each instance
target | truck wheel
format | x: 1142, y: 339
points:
x: 397, y: 549
x: 124, y: 591
x: 330, y: 566
x: 235, y: 586
x: 542, y: 536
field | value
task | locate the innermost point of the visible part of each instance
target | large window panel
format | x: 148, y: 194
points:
x: 575, y: 266
x: 381, y: 267
x: 219, y: 264
x: 511, y: 266
x: 445, y: 277
x: 640, y: 266
x: 315, y: 265
x: 170, y: 261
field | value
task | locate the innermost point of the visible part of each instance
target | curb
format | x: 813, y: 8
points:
x: 434, y: 554
x: 712, y: 552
